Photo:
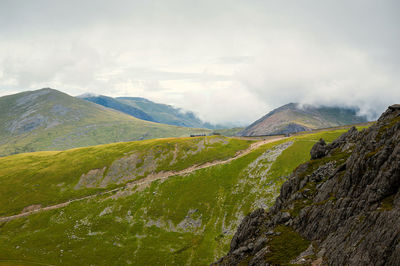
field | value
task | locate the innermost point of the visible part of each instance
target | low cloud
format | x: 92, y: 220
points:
x: 235, y: 60
x: 322, y: 75
x: 229, y: 62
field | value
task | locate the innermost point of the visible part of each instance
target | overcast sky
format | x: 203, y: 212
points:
x: 228, y: 61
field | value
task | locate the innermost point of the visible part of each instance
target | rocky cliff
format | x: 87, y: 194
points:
x: 340, y: 208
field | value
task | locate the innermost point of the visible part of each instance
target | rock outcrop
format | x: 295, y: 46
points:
x: 318, y: 150
x: 340, y: 208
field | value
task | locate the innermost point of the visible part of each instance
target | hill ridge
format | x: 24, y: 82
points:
x: 48, y: 119
x: 147, y: 180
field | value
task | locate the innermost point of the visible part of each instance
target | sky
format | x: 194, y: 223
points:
x: 229, y: 61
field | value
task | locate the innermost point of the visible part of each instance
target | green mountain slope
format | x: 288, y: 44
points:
x: 47, y: 119
x: 164, y: 113
x: 292, y: 118
x: 53, y: 177
x: 184, y: 219
x: 117, y: 105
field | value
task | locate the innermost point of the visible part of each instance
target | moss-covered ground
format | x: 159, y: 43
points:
x: 286, y: 246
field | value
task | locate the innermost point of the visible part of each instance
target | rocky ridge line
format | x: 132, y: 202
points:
x: 340, y: 208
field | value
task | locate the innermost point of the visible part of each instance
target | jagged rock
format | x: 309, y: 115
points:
x: 318, y: 150
x: 283, y: 217
x: 248, y: 227
x: 258, y: 258
x: 304, y: 257
x: 260, y: 243
x: 394, y: 107
x: 348, y: 207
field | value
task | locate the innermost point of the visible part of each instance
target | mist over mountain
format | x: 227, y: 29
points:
x: 148, y: 110
x: 293, y: 117
x: 209, y: 58
x: 48, y: 119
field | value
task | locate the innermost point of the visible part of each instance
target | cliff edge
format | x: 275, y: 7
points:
x: 340, y: 208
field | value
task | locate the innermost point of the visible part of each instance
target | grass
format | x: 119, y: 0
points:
x: 148, y: 227
x: 286, y: 246
x: 48, y: 178
x: 337, y: 156
x: 389, y: 125
x: 309, y: 189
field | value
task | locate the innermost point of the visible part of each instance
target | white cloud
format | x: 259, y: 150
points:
x: 228, y: 61
x: 309, y: 72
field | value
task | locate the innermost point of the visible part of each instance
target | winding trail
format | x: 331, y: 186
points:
x: 148, y: 179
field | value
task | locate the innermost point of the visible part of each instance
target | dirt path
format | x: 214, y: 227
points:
x: 148, y: 179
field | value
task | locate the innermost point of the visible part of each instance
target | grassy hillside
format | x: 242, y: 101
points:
x: 52, y: 177
x: 50, y: 120
x: 184, y: 220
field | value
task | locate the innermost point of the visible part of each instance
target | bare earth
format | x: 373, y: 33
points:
x: 142, y: 183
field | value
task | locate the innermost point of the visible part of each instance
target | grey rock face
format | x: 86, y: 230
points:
x: 318, y: 150
x: 346, y: 202
x: 394, y: 107
x: 27, y: 124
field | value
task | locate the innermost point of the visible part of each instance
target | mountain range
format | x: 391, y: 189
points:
x: 148, y: 110
x: 48, y: 119
x: 191, y: 201
x: 293, y: 117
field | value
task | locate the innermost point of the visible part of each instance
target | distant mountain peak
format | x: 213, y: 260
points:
x: 47, y: 89
x: 296, y: 117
